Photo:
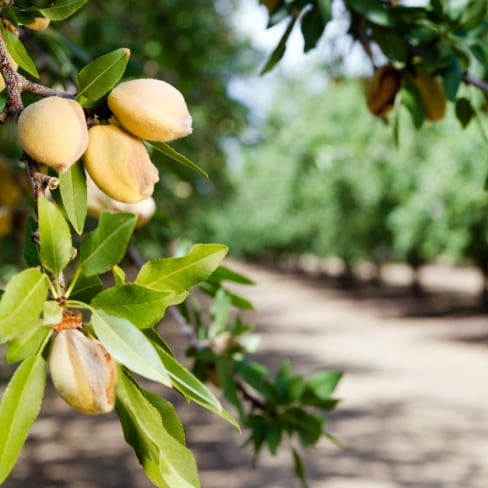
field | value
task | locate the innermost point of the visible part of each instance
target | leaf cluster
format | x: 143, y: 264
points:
x: 445, y: 39
x: 284, y: 409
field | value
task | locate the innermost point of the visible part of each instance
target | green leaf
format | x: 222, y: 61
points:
x: 191, y: 387
x: 299, y: 469
x: 166, y: 461
x: 411, y: 99
x: 180, y: 274
x: 473, y: 15
x: 238, y: 301
x: 52, y: 312
x: 168, y: 415
x: 464, y: 111
x: 22, y: 303
x: 72, y: 188
x: 62, y: 9
x: 27, y: 344
x: 167, y: 150
x: 142, y: 306
x: 452, y: 77
x: 223, y: 273
x: 31, y: 249
x: 19, y: 16
x: 56, y: 248
x: 19, y: 408
x: 374, y: 11
x: 129, y: 346
x: 273, y: 435
x: 280, y: 49
x: 106, y: 245
x: 323, y: 383
x: 312, y: 25
x: 101, y: 75
x: 119, y: 275
x: 228, y: 384
x: 86, y: 288
x: 18, y: 53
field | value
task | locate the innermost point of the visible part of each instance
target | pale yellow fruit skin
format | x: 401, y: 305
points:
x: 83, y: 372
x: 119, y: 164
x: 53, y: 131
x: 98, y: 201
x: 40, y: 23
x: 151, y: 109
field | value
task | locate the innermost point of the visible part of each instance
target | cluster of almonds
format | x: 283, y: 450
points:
x: 120, y: 176
x: 386, y: 82
x: 54, y: 132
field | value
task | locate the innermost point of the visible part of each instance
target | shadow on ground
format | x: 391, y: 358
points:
x: 413, y: 396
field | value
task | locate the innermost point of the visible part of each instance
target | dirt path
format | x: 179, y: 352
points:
x: 414, y: 409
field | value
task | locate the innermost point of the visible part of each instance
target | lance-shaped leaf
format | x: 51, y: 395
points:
x: 19, y: 408
x: 280, y: 49
x: 18, y: 53
x: 142, y: 306
x: 22, y: 303
x: 167, y: 150
x: 62, y: 9
x: 27, y: 344
x: 105, y: 246
x: 168, y: 415
x: 56, y: 248
x: 72, y: 188
x: 189, y: 385
x: 101, y: 75
x: 166, y: 461
x: 129, y: 346
x: 180, y: 274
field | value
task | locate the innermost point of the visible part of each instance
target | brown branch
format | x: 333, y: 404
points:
x: 470, y: 79
x: 41, y: 90
x: 13, y: 82
x: 249, y: 397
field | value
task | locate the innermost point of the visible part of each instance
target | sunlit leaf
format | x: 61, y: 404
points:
x: 62, y: 9
x: 56, y: 248
x: 105, y: 246
x: 18, y: 53
x: 180, y: 274
x: 129, y: 346
x: 22, y: 303
x: 19, y: 408
x: 72, y: 188
x: 190, y: 386
x: 101, y: 75
x: 166, y: 461
x: 27, y: 344
x: 142, y: 306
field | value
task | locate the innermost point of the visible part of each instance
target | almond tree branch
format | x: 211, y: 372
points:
x: 470, y: 79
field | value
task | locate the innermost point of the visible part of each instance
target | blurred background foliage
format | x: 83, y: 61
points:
x: 315, y: 173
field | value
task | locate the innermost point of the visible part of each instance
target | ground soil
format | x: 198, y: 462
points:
x: 414, y: 409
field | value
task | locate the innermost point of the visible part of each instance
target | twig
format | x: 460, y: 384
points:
x: 470, y: 79
x: 253, y: 400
